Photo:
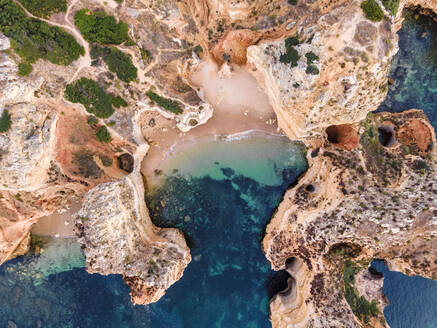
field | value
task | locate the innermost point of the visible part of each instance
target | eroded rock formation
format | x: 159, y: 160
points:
x: 377, y: 200
x: 118, y: 237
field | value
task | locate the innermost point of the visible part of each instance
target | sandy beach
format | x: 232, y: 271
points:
x: 239, y: 105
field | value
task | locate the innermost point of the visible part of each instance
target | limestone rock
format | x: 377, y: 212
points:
x: 375, y: 201
x: 352, y: 68
x: 118, y: 237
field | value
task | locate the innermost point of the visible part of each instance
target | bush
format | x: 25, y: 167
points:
x: 88, y: 93
x: 24, y: 69
x: 100, y: 28
x: 311, y: 57
x: 103, y: 135
x: 33, y: 39
x: 291, y: 55
x: 5, y: 121
x: 167, y: 104
x: 92, y: 120
x: 391, y: 5
x: 117, y: 61
x: 311, y: 69
x: 44, y: 8
x: 372, y: 10
x: 118, y: 101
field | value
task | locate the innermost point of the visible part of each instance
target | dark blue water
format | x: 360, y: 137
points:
x: 226, y: 285
x: 414, y: 68
x: 413, y: 300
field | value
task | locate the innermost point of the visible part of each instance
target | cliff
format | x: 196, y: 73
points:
x: 374, y: 201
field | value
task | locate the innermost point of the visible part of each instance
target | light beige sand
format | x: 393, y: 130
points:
x: 58, y: 224
x: 239, y: 105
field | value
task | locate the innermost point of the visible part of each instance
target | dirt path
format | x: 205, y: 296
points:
x: 83, y: 61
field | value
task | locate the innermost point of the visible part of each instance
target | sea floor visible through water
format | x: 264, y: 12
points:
x: 222, y: 204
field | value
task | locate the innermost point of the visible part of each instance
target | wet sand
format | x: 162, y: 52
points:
x: 239, y: 105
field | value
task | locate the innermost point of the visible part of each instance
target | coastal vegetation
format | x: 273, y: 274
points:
x: 44, y: 8
x: 117, y: 61
x: 372, y: 10
x: 291, y: 55
x: 360, y: 306
x: 391, y: 5
x: 97, y: 27
x: 24, y: 68
x: 311, y: 68
x: 5, y: 121
x: 167, y: 104
x: 103, y: 134
x: 95, y: 100
x: 33, y: 39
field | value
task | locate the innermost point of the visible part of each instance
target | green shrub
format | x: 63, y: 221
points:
x: 5, y: 121
x: 44, y: 8
x: 24, y: 68
x: 118, y: 101
x: 103, y: 134
x: 94, y: 98
x: 117, y: 61
x: 92, y: 120
x: 311, y: 57
x: 391, y: 5
x: 33, y: 39
x: 167, y: 104
x: 291, y: 55
x: 372, y: 10
x: 311, y: 69
x: 100, y: 28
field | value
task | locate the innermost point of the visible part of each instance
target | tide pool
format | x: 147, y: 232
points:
x: 222, y: 206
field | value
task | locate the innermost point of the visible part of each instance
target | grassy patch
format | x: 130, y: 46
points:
x: 167, y: 104
x: 44, y: 8
x: 88, y: 93
x: 5, y: 121
x: 391, y: 5
x: 24, y: 69
x: 361, y: 307
x: 291, y: 55
x: 372, y: 10
x: 33, y: 39
x: 100, y: 28
x: 103, y: 134
x: 117, y: 61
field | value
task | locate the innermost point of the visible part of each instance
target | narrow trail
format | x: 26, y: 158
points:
x: 83, y: 61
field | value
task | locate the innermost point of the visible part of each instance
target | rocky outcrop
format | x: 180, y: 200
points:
x: 375, y: 201
x: 344, y: 79
x: 118, y: 237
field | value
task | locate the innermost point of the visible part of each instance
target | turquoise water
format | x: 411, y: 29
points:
x: 222, y: 211
x: 413, y: 300
x: 414, y: 68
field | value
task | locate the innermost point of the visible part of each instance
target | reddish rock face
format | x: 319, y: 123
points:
x: 232, y: 47
x: 416, y: 134
x: 343, y: 136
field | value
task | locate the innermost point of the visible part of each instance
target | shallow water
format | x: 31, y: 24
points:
x: 414, y: 68
x: 228, y: 282
x: 413, y: 300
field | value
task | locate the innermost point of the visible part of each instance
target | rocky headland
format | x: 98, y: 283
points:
x: 369, y: 191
